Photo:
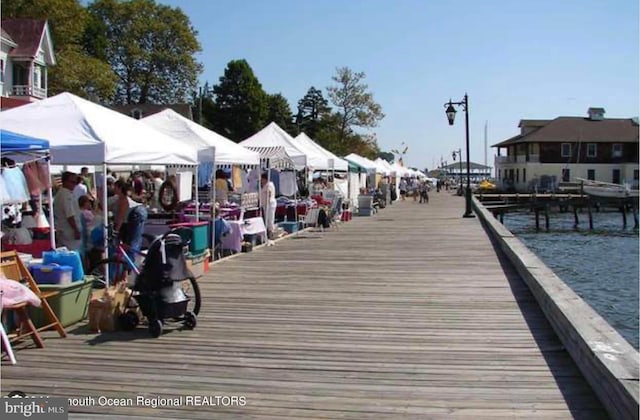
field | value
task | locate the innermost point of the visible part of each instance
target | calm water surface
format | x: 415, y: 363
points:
x: 601, y: 266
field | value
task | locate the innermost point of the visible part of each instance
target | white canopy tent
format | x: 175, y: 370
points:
x: 188, y: 132
x: 84, y: 133
x: 274, y: 136
x: 363, y: 162
x: 338, y: 164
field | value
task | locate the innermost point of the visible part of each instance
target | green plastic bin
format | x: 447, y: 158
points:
x: 70, y: 305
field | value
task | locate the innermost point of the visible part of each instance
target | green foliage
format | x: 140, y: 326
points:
x: 388, y: 156
x: 67, y: 18
x: 312, y: 108
x: 150, y: 47
x: 280, y: 113
x: 75, y: 70
x: 354, y: 103
x: 83, y: 76
x: 241, y: 105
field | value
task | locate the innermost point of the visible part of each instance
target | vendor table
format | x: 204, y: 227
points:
x: 239, y: 228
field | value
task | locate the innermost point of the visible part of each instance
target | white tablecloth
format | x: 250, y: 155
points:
x: 239, y: 228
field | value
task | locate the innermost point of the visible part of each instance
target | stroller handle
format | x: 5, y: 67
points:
x: 186, y: 233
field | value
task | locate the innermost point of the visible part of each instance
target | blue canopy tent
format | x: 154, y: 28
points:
x: 14, y: 142
x: 21, y: 148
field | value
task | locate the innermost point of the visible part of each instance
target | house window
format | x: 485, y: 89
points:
x: 524, y: 174
x: 136, y: 113
x: 636, y: 175
x: 592, y: 150
x: 2, y: 71
x: 616, y: 150
x: 517, y: 176
x: 591, y: 174
x: 615, y: 178
x: 566, y: 175
x: 566, y: 149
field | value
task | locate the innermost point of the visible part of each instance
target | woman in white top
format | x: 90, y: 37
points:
x: 268, y: 203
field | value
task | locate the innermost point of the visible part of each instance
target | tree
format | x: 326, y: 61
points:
x: 312, y: 108
x: 280, y: 113
x: 356, y: 107
x: 76, y: 71
x: 388, y: 156
x: 150, y: 47
x: 241, y: 105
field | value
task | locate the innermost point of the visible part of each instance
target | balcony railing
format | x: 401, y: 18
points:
x: 518, y: 159
x: 26, y: 90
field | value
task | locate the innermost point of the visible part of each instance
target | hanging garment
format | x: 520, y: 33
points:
x: 16, y: 185
x: 30, y: 171
x: 288, y: 183
x: 43, y: 174
x: 4, y: 194
x: 205, y: 174
x: 253, y: 180
x: 275, y: 178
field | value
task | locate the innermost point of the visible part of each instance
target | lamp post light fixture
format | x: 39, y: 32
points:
x: 458, y: 153
x: 451, y: 115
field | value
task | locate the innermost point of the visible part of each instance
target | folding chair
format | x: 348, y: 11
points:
x: 14, y: 269
x: 310, y: 219
x: 335, y: 213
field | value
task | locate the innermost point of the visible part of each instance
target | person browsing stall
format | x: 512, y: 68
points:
x: 129, y: 217
x: 66, y: 214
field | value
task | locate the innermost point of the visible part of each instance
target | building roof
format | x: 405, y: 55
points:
x: 26, y: 33
x: 579, y: 129
x: 150, y: 109
x: 7, y: 38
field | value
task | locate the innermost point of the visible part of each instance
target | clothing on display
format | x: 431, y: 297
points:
x: 16, y: 185
x: 253, y: 179
x: 205, y: 173
x: 288, y: 184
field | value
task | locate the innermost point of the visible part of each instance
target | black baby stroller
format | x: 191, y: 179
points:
x: 165, y: 289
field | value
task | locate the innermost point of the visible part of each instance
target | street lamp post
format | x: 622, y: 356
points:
x: 451, y: 115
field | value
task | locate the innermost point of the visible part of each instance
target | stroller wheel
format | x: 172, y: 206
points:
x: 155, y: 328
x: 190, y: 320
x: 129, y: 320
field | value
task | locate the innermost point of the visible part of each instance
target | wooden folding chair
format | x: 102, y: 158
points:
x: 14, y: 269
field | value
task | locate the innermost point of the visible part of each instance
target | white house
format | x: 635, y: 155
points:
x: 26, y: 53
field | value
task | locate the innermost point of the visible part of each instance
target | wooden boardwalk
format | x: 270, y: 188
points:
x: 410, y: 313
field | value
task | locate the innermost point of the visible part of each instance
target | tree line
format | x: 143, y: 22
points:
x: 139, y: 51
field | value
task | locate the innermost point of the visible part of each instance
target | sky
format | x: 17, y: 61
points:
x: 515, y: 59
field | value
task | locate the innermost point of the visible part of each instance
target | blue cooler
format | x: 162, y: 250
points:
x: 68, y: 258
x: 51, y: 273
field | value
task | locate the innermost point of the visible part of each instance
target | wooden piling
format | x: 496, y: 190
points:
x: 590, y: 215
x: 635, y: 216
x: 537, y: 219
x: 546, y: 217
x: 624, y: 217
x: 576, y: 221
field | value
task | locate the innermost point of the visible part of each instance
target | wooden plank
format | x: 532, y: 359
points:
x: 412, y: 312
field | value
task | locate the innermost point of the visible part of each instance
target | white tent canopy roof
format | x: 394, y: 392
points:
x: 338, y: 163
x: 387, y: 168
x: 273, y: 136
x: 82, y: 132
x: 362, y: 161
x: 188, y: 132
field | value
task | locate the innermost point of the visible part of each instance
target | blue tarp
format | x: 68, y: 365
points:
x: 13, y: 142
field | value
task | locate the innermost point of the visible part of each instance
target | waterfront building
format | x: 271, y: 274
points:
x: 548, y: 152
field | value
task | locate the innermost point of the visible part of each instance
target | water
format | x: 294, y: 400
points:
x: 601, y: 266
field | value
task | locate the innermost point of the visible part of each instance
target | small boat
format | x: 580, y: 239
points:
x: 486, y: 185
x: 607, y: 190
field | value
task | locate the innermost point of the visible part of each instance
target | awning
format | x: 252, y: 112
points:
x: 273, y: 157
